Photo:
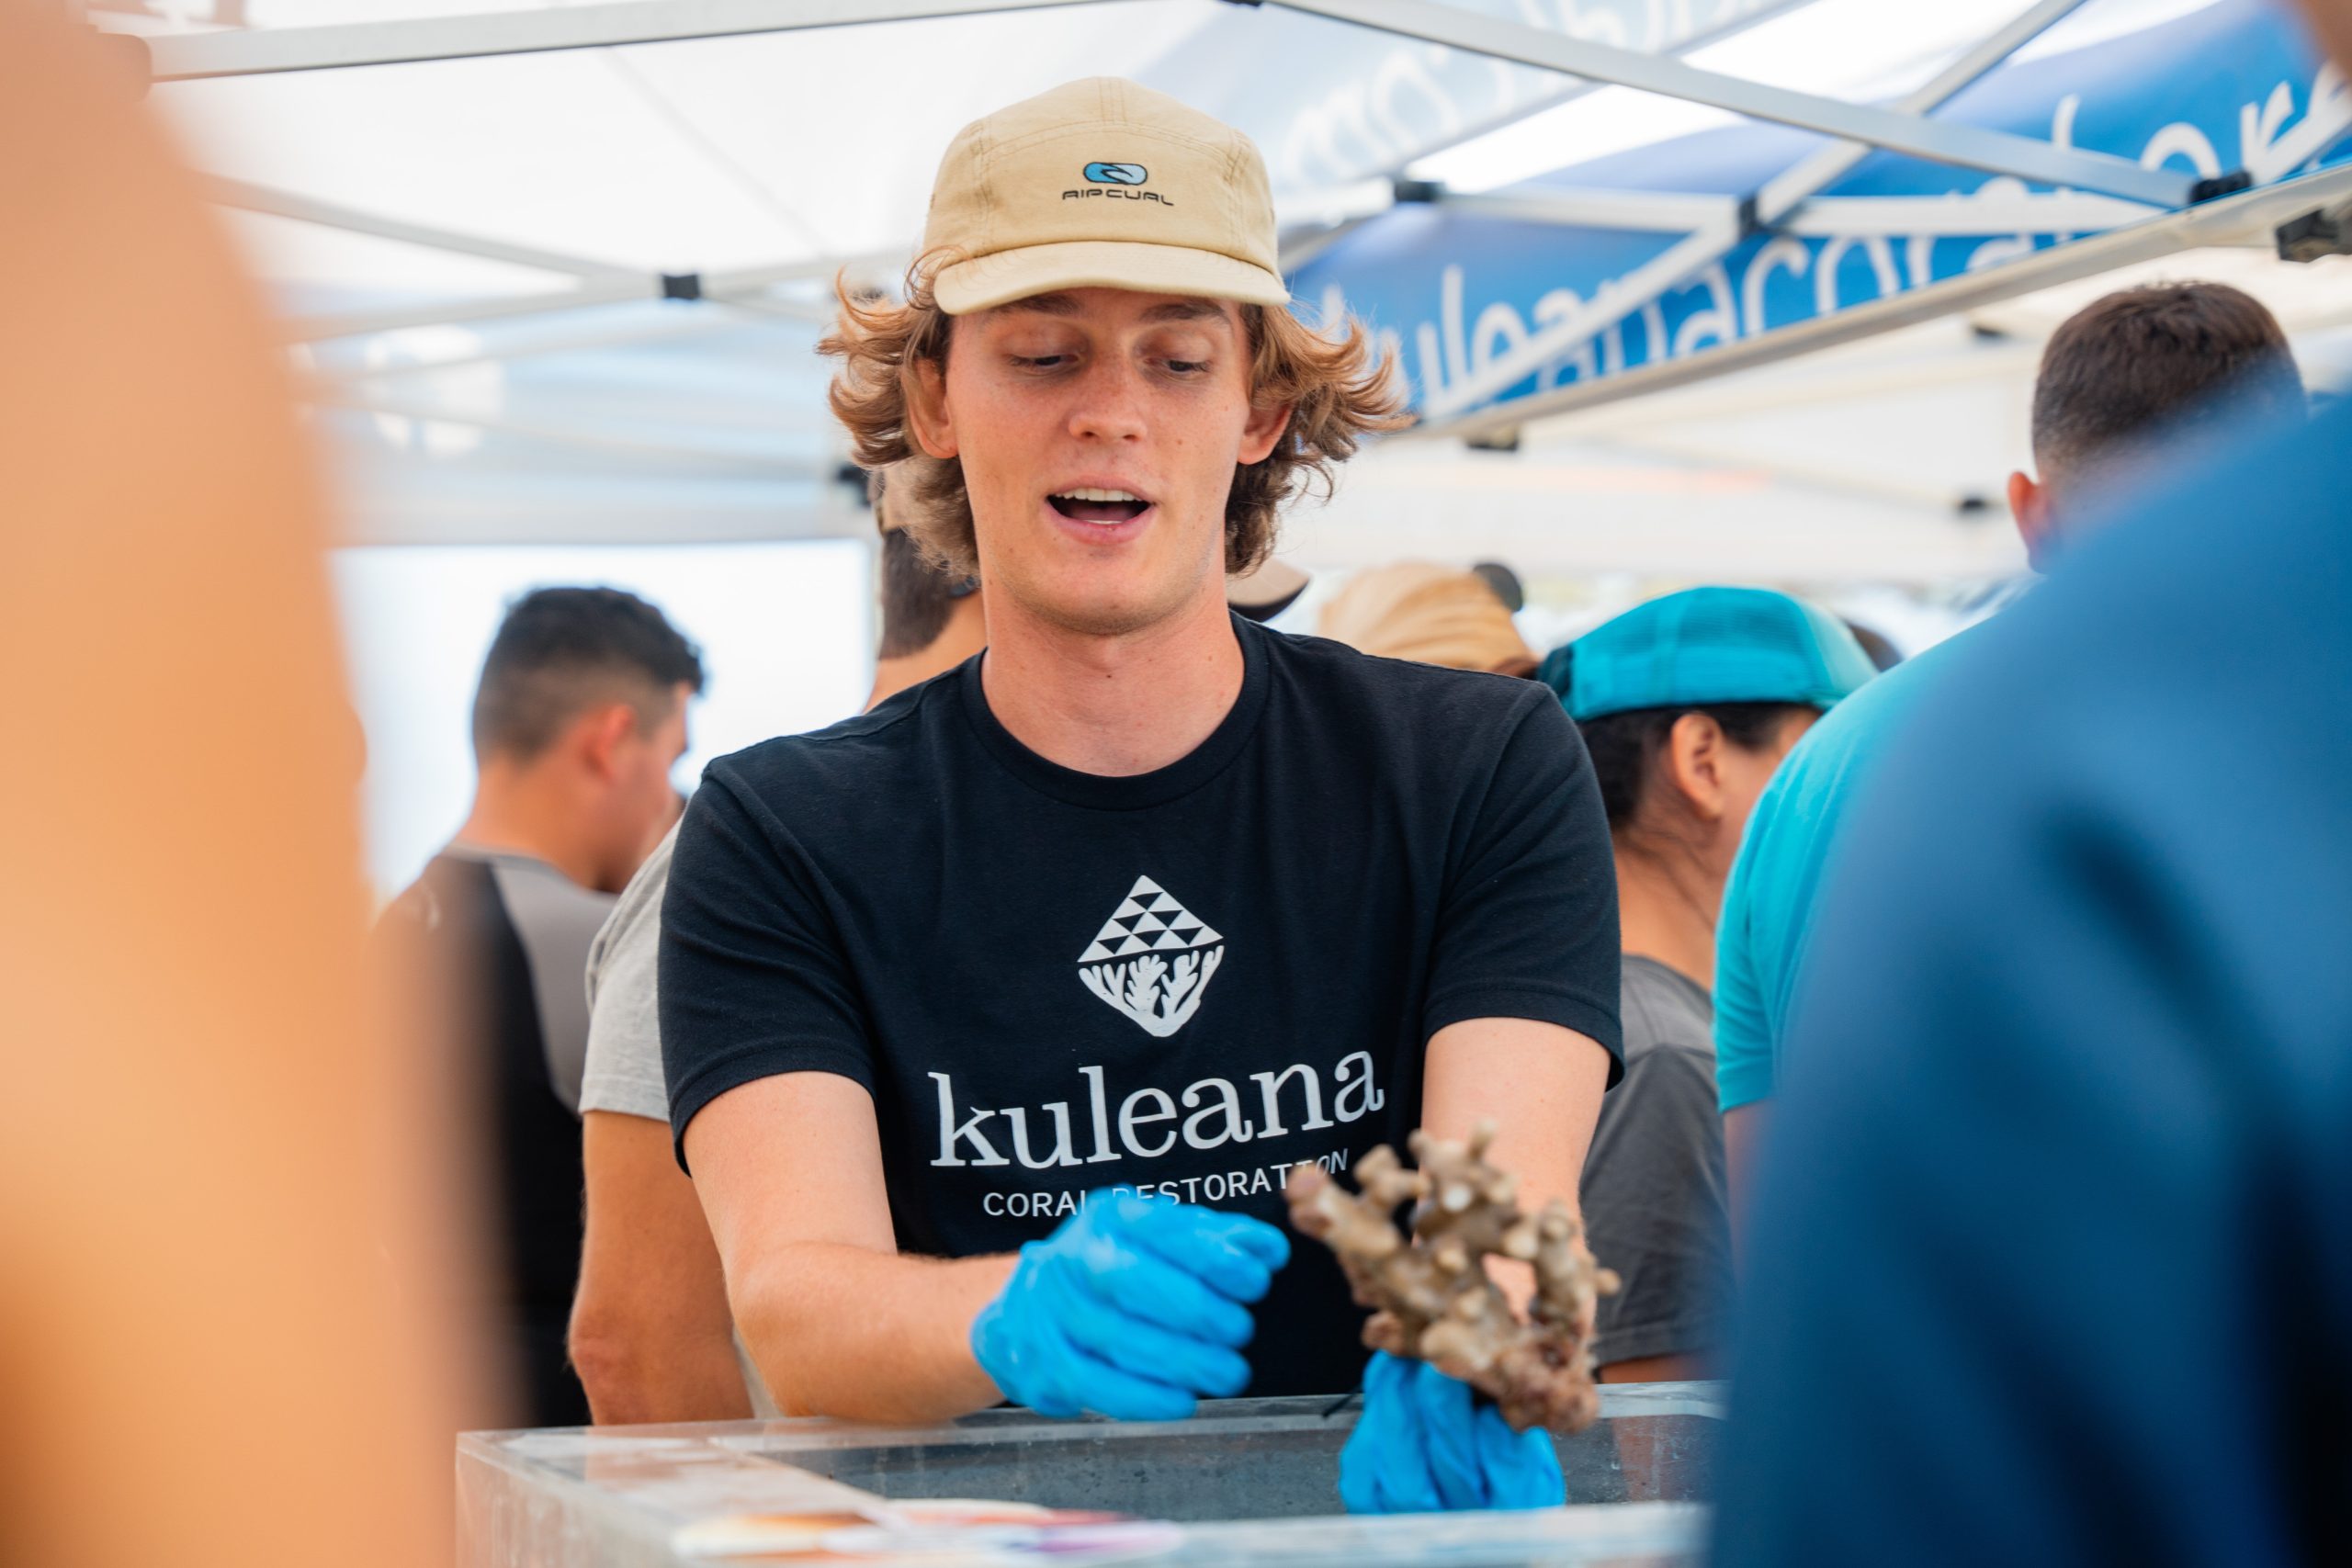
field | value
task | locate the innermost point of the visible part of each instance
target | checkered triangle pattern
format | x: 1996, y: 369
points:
x: 1149, y: 920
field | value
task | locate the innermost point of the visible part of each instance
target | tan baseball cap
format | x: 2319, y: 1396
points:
x: 1101, y: 184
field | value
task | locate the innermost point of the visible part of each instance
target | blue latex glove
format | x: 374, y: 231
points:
x: 1133, y: 1308
x: 1424, y: 1444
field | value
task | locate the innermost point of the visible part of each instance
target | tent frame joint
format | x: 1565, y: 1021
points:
x: 2219, y: 186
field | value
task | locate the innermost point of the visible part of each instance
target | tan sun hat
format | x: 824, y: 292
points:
x: 1431, y: 613
x: 1101, y: 184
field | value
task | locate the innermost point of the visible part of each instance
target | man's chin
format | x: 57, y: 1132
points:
x: 1085, y: 610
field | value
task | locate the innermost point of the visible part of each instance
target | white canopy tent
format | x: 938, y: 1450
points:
x: 471, y: 221
x: 554, y: 288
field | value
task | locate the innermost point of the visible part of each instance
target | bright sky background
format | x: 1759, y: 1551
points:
x: 784, y: 629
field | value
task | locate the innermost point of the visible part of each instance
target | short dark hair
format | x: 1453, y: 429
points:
x: 1625, y: 747
x: 917, y: 593
x: 2162, y: 354
x: 561, y: 650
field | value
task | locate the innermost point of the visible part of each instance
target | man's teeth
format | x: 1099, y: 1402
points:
x: 1095, y: 495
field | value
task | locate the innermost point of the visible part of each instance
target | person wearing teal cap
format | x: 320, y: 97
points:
x: 1686, y: 704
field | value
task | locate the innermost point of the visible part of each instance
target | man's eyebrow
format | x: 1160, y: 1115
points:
x: 1067, y: 304
x: 1043, y: 304
x: 1185, y: 311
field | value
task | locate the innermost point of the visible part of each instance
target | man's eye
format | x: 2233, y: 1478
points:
x: 1040, y: 361
x: 1188, y: 367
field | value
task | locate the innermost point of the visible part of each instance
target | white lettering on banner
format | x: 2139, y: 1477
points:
x: 1718, y: 305
x: 1215, y: 1117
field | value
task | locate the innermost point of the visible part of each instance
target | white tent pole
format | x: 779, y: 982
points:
x: 2015, y: 212
x: 1703, y: 249
x: 746, y: 285
x: 1998, y: 212
x: 595, y: 291
x: 668, y: 325
x: 190, y: 56
x: 1755, y: 14
x: 1895, y: 130
x: 424, y: 410
x: 1640, y: 210
x: 2226, y: 221
x: 330, y: 215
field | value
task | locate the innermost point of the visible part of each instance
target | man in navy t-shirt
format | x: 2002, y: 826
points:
x: 1146, y: 901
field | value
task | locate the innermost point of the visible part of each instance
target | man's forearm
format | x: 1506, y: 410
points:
x: 865, y: 1335
x: 636, y: 1375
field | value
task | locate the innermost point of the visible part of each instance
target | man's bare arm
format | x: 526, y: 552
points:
x: 1540, y: 1086
x: 651, y: 1337
x: 789, y: 1170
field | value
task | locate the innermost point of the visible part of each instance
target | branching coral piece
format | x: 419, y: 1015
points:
x: 1431, y: 1296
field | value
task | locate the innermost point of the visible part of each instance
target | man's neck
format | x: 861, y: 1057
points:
x: 510, y: 815
x: 1667, y: 910
x: 1113, y: 706
x: 965, y: 633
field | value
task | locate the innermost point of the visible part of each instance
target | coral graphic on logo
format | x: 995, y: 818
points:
x: 1152, y: 959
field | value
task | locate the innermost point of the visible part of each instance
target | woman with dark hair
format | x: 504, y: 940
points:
x: 1686, y: 705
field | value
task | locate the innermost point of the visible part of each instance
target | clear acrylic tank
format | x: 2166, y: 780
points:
x: 1246, y: 1480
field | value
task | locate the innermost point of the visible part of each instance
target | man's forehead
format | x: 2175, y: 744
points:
x: 1070, y: 304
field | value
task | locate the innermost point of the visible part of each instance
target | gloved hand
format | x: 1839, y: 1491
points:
x: 1133, y: 1308
x: 1424, y: 1444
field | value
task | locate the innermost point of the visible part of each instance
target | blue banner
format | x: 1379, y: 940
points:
x: 2232, y: 86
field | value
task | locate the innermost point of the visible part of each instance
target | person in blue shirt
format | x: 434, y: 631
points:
x: 2125, y: 377
x: 2051, y: 1252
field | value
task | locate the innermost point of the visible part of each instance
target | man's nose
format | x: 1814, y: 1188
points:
x: 1110, y: 404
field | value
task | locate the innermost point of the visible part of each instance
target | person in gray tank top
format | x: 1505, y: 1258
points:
x: 580, y: 714
x: 1686, y: 704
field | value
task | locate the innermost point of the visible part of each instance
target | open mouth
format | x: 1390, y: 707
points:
x: 1108, y: 507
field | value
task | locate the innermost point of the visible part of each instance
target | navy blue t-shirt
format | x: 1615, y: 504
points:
x: 2053, y: 1252
x: 1183, y: 981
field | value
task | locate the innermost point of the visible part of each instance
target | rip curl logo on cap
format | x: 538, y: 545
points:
x: 1118, y: 180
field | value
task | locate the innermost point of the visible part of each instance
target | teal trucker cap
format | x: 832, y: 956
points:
x: 1708, y: 645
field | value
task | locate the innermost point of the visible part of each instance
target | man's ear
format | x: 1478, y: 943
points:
x: 2030, y: 505
x: 928, y: 420
x: 600, y: 734
x: 1260, y: 431
x: 1694, y: 758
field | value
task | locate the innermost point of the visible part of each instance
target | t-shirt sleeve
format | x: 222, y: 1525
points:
x: 1656, y: 1211
x: 1529, y: 924
x: 753, y: 982
x: 1743, y: 1025
x: 624, y: 1066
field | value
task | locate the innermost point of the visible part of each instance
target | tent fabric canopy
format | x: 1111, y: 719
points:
x: 574, y: 294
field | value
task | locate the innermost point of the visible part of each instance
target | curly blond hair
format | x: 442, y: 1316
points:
x: 1334, y: 386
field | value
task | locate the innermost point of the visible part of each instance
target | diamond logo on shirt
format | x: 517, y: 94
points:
x: 1152, y: 960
